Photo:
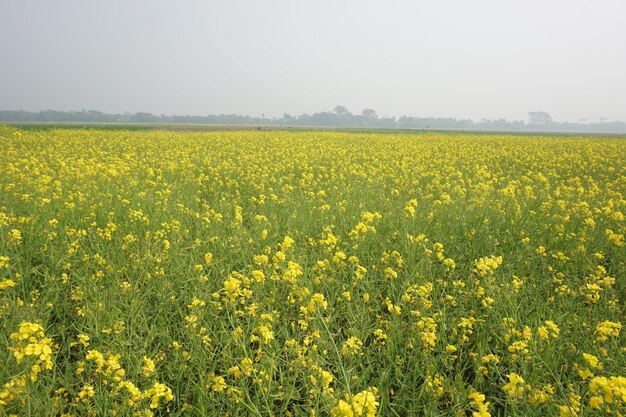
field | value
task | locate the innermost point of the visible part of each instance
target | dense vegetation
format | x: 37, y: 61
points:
x: 339, y: 117
x: 311, y: 273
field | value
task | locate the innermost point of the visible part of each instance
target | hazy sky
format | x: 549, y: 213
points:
x: 460, y: 58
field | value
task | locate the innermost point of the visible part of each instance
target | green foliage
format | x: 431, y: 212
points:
x: 286, y: 273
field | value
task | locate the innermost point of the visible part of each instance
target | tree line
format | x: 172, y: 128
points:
x: 340, y: 116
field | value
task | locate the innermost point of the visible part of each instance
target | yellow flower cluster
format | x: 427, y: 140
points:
x: 363, y: 404
x: 610, y: 392
x: 487, y: 265
x: 30, y: 341
x: 480, y: 404
x: 515, y: 387
x: 607, y: 329
x: 32, y: 346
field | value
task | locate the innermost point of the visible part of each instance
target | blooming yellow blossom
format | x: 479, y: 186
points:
x: 363, y: 404
x: 515, y: 387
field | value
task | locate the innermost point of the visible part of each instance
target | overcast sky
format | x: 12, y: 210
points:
x: 459, y: 58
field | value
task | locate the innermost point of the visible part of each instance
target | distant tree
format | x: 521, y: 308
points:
x: 142, y: 117
x: 367, y: 118
x: 341, y: 110
x: 539, y: 118
x: 369, y: 113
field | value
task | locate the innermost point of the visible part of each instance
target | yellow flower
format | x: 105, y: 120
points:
x: 611, y: 390
x: 614, y: 238
x: 554, y: 329
x: 606, y: 329
x: 4, y: 262
x: 6, y: 283
x: 232, y: 286
x: 83, y: 339
x: 15, y: 236
x: 157, y: 392
x: 217, y: 383
x: 148, y: 366
x: 351, y: 347
x: 30, y: 340
x: 479, y: 402
x: 487, y: 265
x: 363, y: 404
x: 515, y: 387
x: 592, y: 361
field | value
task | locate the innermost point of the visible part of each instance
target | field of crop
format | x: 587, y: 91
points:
x: 311, y: 273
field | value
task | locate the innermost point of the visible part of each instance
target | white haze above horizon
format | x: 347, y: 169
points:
x: 449, y: 58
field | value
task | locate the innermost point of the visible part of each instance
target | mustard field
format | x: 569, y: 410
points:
x: 154, y: 273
